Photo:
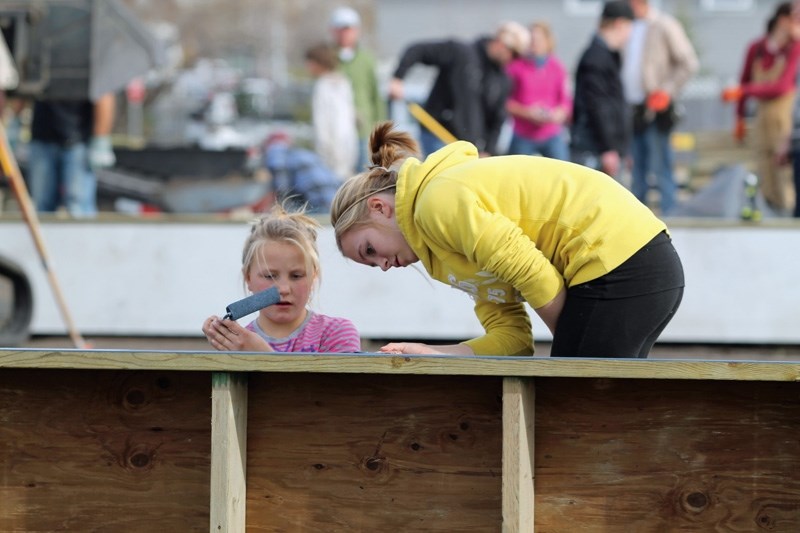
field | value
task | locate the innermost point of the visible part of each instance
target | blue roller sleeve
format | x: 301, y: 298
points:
x: 251, y: 304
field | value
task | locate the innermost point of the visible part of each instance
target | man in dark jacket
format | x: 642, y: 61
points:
x: 469, y: 95
x: 601, y: 124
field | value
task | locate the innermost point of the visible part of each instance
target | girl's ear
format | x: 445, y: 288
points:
x: 380, y: 206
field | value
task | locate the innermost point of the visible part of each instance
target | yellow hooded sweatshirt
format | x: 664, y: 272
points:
x: 515, y: 228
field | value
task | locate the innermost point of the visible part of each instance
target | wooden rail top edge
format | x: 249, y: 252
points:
x: 401, y: 364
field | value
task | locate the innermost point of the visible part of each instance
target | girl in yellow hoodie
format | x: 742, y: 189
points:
x: 595, y: 263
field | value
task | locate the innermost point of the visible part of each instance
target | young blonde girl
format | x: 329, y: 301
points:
x: 282, y: 251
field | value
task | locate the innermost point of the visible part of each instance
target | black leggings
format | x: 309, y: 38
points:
x: 622, y: 313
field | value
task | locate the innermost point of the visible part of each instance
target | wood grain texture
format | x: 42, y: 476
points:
x: 355, y: 453
x: 631, y: 455
x: 406, y: 364
x: 228, y: 452
x: 104, y: 451
x: 519, y: 418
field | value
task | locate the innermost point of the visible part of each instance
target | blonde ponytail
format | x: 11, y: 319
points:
x: 388, y: 145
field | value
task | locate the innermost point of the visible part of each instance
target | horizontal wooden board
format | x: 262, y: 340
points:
x: 104, y: 451
x: 374, y: 453
x: 632, y: 455
x: 739, y: 370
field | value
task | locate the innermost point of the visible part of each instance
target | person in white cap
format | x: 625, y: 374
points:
x: 359, y: 65
x: 469, y: 95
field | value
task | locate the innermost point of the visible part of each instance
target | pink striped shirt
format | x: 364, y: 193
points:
x: 545, y: 86
x: 318, y: 334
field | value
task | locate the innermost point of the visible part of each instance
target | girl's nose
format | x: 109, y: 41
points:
x: 385, y: 265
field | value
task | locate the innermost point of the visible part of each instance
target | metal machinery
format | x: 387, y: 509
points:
x: 64, y: 50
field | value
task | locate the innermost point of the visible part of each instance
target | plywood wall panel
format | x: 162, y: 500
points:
x: 374, y: 453
x: 104, y: 450
x: 652, y: 455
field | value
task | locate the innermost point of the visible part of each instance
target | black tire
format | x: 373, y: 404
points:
x: 16, y: 331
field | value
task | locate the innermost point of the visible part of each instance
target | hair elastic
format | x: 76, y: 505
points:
x: 364, y: 197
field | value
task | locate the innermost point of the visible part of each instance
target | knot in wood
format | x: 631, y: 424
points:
x: 140, y: 460
x: 135, y: 398
x: 764, y: 520
x: 697, y: 501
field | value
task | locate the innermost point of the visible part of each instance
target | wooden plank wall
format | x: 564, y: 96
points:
x: 104, y: 451
x: 366, y: 453
x: 126, y: 450
x: 663, y: 455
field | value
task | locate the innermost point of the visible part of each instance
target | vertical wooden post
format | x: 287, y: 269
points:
x: 228, y: 452
x: 518, y: 458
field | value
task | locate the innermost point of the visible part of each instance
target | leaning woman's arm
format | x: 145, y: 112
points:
x: 550, y: 311
x: 508, y: 332
x: 420, y: 348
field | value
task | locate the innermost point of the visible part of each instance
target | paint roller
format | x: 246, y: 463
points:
x: 251, y: 304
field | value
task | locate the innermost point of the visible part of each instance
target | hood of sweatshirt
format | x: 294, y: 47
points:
x: 413, y: 178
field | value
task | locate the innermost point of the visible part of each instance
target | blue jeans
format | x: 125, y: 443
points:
x: 591, y: 160
x: 60, y: 175
x: 554, y: 147
x: 363, y: 155
x: 651, y: 151
x: 429, y: 142
x: 586, y: 158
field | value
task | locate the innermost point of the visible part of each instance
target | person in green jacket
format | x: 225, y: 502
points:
x: 595, y: 264
x: 359, y: 65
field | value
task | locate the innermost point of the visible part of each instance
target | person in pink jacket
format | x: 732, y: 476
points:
x: 540, y: 99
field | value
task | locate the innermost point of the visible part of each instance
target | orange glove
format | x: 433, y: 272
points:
x: 732, y: 94
x: 658, y: 101
x: 739, y: 129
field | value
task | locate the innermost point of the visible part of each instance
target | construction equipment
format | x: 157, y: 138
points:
x: 16, y: 304
x: 75, y: 49
x: 68, y: 50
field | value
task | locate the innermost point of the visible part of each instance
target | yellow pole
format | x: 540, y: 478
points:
x: 11, y: 171
x: 431, y: 123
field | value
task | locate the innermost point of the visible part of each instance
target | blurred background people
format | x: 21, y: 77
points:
x: 791, y: 153
x: 791, y: 147
x: 299, y: 177
x: 540, y: 100
x: 768, y: 76
x: 359, y: 65
x: 659, y: 60
x: 69, y: 140
x: 600, y: 120
x: 469, y: 94
x: 333, y: 113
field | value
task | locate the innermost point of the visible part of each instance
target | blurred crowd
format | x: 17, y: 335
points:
x: 615, y: 113
x: 507, y: 92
